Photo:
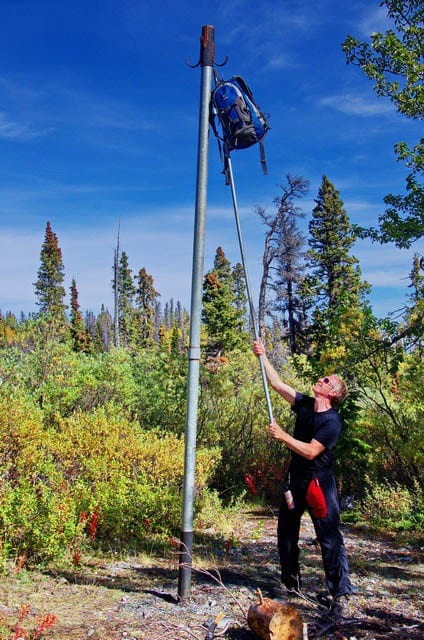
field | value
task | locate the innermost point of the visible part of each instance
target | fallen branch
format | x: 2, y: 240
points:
x: 216, y: 577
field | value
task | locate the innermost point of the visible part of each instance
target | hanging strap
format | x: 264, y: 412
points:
x: 262, y: 157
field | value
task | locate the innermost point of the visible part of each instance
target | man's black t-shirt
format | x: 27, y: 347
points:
x: 324, y: 426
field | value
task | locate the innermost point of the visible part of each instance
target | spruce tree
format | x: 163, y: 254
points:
x: 104, y: 330
x: 146, y: 296
x: 221, y: 317
x: 414, y: 316
x: 79, y: 334
x: 8, y: 329
x: 126, y: 310
x: 115, y: 287
x: 90, y: 322
x: 417, y: 280
x: 49, y: 287
x: 240, y: 296
x: 334, y: 286
x: 183, y: 322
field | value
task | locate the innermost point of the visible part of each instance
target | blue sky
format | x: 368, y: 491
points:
x: 99, y: 125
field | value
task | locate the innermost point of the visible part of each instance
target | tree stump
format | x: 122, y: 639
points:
x: 272, y: 620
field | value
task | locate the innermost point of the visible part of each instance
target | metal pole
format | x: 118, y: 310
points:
x: 207, y: 52
x: 229, y: 174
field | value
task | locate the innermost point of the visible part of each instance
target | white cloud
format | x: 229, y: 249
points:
x: 375, y: 20
x: 354, y: 104
x: 279, y: 61
x: 98, y: 111
x: 165, y: 250
x: 386, y: 265
x: 53, y: 105
x: 19, y: 260
x: 12, y: 130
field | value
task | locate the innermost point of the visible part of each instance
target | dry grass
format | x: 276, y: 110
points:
x: 136, y: 597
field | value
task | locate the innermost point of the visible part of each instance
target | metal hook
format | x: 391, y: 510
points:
x: 207, y: 49
x: 223, y: 63
x: 216, y: 64
x: 192, y: 66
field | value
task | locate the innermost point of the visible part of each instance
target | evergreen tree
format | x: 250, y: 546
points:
x: 240, y: 296
x: 274, y: 248
x: 79, y: 334
x: 178, y: 313
x: 417, y: 280
x: 168, y: 317
x: 158, y: 320
x: 115, y: 287
x: 126, y: 310
x: 49, y: 287
x: 334, y: 283
x: 104, y: 330
x: 171, y: 313
x: 146, y: 296
x: 175, y: 339
x: 90, y: 322
x: 221, y: 317
x: 414, y: 316
x: 183, y: 322
x: 162, y: 335
x: 8, y: 329
x: 172, y: 327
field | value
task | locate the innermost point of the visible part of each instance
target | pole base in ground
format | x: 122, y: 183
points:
x: 184, y: 576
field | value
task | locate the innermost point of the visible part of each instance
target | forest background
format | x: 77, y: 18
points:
x: 92, y: 409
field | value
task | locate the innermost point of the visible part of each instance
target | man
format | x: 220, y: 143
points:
x: 311, y: 481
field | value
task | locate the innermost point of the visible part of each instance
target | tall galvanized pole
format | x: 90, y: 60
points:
x: 207, y: 55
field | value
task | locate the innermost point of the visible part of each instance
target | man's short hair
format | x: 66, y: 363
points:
x: 342, y: 391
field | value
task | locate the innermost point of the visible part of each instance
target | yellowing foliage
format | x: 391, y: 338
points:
x: 91, y: 478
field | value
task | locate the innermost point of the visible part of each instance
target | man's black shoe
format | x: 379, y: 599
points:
x: 277, y: 590
x: 339, y: 608
x: 324, y: 599
x: 290, y: 588
x: 293, y: 583
x: 293, y: 593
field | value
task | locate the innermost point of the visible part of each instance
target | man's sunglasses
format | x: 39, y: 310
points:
x: 328, y: 381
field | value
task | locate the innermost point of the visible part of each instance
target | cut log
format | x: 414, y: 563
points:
x: 272, y: 620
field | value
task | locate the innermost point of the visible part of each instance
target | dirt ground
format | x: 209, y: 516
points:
x: 136, y: 597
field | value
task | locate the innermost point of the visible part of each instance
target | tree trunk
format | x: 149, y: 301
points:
x: 116, y: 340
x: 272, y: 620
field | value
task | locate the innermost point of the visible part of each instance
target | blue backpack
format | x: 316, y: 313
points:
x: 243, y: 123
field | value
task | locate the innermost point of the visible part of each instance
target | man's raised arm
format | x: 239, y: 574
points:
x: 285, y: 390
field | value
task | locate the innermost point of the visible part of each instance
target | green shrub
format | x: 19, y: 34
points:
x: 233, y: 416
x: 161, y: 379
x: 135, y: 476
x: 38, y: 522
x: 62, y: 382
x: 91, y: 478
x: 37, y: 512
x: 391, y: 507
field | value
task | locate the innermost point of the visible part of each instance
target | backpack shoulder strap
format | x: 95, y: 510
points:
x: 244, y: 86
x: 212, y: 122
x: 248, y: 91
